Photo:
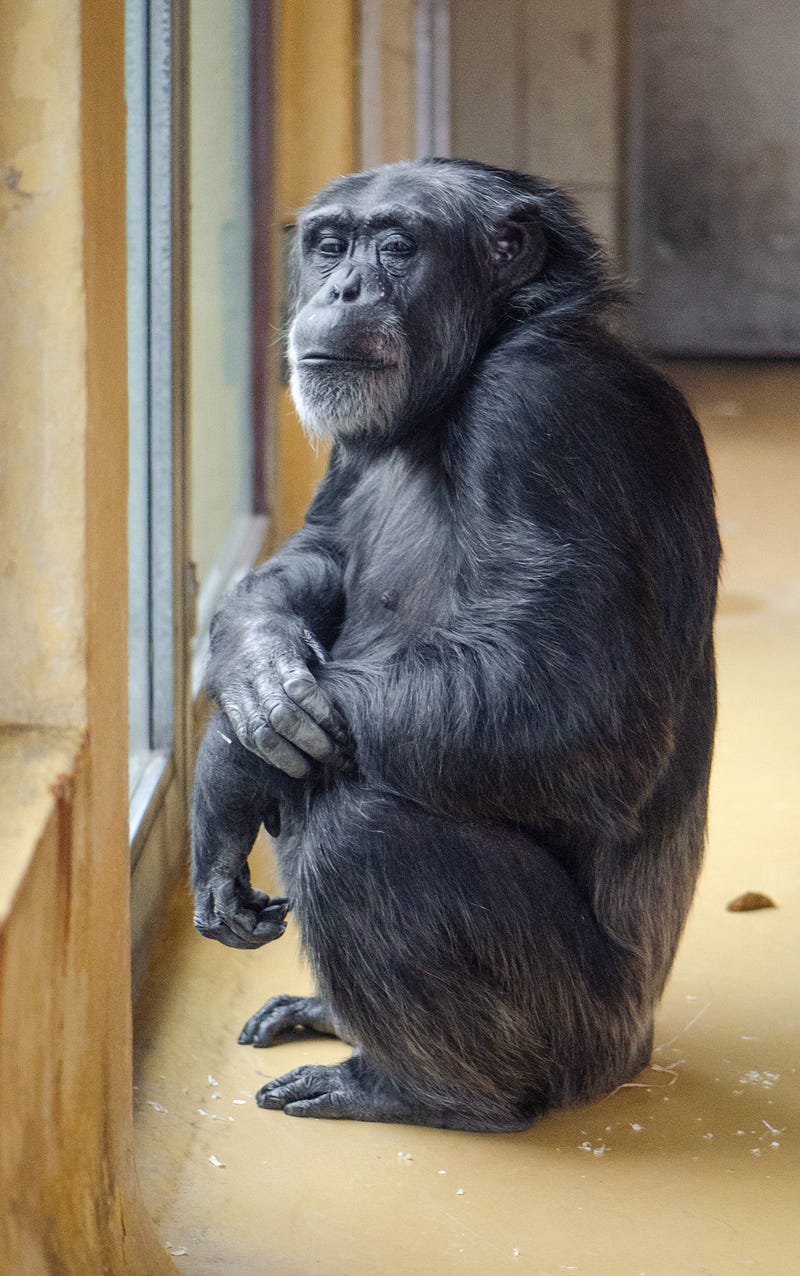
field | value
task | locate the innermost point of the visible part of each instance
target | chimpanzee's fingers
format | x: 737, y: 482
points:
x: 241, y: 710
x: 270, y: 924
x: 285, y: 717
x: 271, y: 737
x: 254, y: 898
x: 226, y: 935
x: 294, y: 724
x: 241, y: 917
x: 276, y: 750
x: 211, y: 925
x: 302, y: 687
x: 234, y: 908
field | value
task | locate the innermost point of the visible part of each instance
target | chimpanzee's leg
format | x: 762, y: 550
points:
x: 462, y: 962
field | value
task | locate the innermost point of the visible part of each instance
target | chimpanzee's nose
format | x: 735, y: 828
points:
x: 346, y: 287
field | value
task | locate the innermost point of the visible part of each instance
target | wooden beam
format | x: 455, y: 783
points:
x: 317, y: 140
x: 71, y: 1201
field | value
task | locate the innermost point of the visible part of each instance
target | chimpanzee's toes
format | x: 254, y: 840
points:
x: 311, y: 1086
x: 284, y: 1014
x: 355, y: 1091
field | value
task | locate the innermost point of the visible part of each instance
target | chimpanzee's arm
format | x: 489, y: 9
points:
x: 552, y: 694
x: 268, y: 636
x: 545, y: 710
x: 234, y: 793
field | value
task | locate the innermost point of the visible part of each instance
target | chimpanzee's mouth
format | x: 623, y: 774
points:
x: 322, y: 359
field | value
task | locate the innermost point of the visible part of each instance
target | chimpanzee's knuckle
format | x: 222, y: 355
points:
x: 231, y: 940
x: 282, y: 716
x: 301, y: 687
x: 283, y: 756
x: 267, y: 686
x: 239, y: 721
x: 231, y: 710
x: 205, y: 926
x: 264, y: 741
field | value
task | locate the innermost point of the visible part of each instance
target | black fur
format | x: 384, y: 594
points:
x: 481, y: 678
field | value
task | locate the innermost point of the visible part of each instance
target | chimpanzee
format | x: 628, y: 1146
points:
x: 474, y: 697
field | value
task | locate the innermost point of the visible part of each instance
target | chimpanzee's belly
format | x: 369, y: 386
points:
x: 401, y: 577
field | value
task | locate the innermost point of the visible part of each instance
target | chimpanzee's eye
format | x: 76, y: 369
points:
x: 332, y: 246
x: 398, y: 246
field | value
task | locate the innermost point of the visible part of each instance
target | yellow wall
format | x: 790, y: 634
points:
x: 43, y: 402
x: 316, y: 138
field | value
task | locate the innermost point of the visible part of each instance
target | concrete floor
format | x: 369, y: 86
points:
x: 696, y: 1170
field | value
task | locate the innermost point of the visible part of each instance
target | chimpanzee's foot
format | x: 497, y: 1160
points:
x: 283, y: 1014
x: 353, y: 1091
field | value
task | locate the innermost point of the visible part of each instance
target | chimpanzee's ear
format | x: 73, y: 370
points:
x: 519, y: 245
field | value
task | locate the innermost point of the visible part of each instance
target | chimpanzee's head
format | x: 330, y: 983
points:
x: 401, y: 275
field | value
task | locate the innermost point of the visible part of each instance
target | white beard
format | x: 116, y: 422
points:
x: 342, y: 401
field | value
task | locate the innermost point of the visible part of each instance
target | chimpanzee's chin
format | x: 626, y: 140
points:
x: 354, y: 404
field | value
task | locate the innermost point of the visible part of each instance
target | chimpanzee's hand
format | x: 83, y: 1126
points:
x: 265, y: 684
x: 234, y: 912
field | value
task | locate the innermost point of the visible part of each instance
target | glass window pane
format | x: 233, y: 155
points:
x: 149, y: 235
x: 220, y: 289
x: 136, y: 78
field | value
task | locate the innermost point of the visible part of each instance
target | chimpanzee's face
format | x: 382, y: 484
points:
x: 384, y: 317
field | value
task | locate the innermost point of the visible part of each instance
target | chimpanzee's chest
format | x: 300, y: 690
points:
x: 402, y: 553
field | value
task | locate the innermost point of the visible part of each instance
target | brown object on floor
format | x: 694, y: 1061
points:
x: 749, y: 902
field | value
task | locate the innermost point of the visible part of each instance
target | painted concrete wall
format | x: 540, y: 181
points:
x: 715, y: 167
x: 316, y: 134
x: 536, y: 86
x: 220, y: 240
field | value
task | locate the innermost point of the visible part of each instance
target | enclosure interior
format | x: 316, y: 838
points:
x: 694, y: 1167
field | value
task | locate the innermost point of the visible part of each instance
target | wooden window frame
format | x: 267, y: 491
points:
x: 67, y: 1175
x: 159, y: 847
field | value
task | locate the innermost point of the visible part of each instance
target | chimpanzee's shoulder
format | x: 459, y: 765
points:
x: 577, y: 377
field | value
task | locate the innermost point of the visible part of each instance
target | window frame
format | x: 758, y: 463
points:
x: 159, y: 799
x: 154, y: 442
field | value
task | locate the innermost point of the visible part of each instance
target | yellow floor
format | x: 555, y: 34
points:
x: 696, y: 1171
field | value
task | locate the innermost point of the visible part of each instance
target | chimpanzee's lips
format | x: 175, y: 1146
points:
x: 321, y: 359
